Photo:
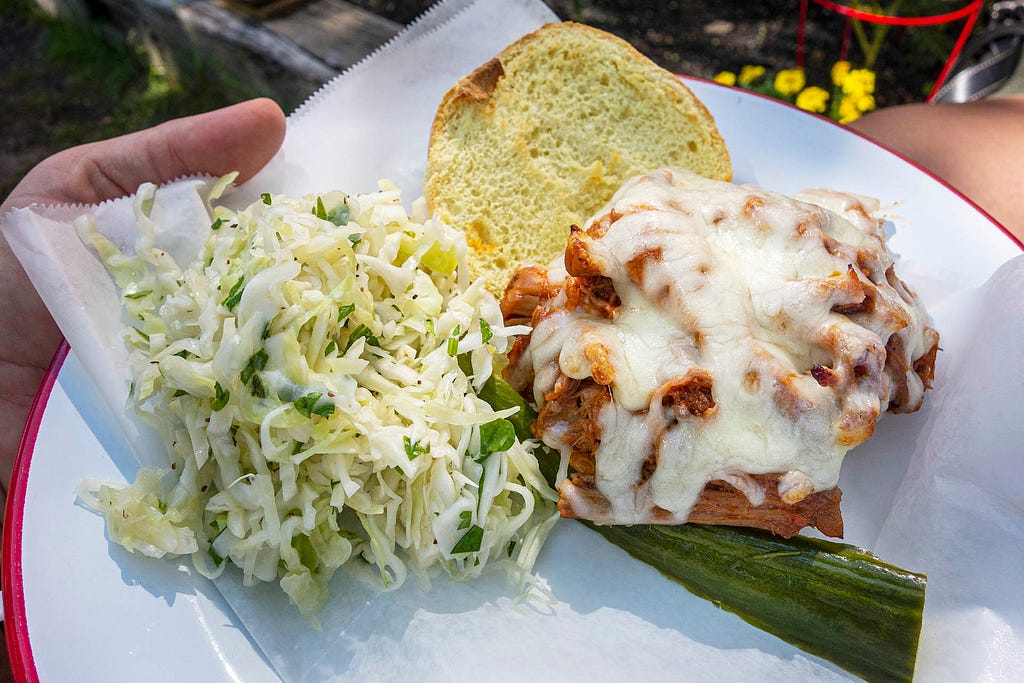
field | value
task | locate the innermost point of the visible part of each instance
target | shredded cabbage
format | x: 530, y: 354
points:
x: 313, y: 375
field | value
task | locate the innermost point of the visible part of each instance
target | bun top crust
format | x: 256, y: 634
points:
x: 541, y: 136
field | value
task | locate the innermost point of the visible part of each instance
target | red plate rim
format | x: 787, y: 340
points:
x: 19, y: 646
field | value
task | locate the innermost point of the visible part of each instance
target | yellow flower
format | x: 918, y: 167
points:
x: 859, y: 82
x: 812, y: 99
x: 726, y: 78
x: 866, y: 103
x: 848, y: 110
x: 840, y: 70
x: 749, y: 74
x: 790, y: 81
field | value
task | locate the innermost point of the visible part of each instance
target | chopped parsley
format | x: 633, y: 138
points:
x: 256, y: 363
x: 319, y: 211
x: 413, y: 449
x: 307, y: 405
x: 234, y: 294
x: 220, y: 399
x: 217, y: 559
x: 362, y: 332
x: 216, y: 224
x: 485, y: 331
x: 339, y: 216
x: 453, y: 342
x: 345, y: 311
x: 470, y: 541
x: 266, y: 198
x: 496, y: 436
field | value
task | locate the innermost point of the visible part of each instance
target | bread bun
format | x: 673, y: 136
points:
x: 541, y: 136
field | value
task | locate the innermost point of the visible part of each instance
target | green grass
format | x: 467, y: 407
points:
x: 66, y: 82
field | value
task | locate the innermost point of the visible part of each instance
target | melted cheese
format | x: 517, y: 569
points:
x: 745, y: 285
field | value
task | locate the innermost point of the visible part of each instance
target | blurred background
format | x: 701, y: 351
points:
x: 73, y: 71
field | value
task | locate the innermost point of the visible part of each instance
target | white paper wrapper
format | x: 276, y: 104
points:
x: 950, y: 504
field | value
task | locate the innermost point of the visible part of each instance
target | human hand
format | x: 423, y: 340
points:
x: 243, y: 138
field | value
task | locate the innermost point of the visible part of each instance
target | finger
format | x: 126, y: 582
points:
x: 242, y: 137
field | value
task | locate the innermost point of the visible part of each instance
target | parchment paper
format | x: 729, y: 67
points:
x: 958, y: 512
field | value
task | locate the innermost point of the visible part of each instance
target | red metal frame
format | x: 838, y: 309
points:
x: 969, y: 12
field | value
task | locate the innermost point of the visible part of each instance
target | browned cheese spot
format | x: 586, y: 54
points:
x: 601, y: 368
x: 594, y: 294
x: 636, y: 266
x: 690, y: 394
x: 578, y: 259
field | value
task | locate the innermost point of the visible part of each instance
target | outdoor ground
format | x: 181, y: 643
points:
x: 63, y: 84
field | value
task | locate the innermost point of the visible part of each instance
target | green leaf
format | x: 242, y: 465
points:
x: 345, y: 311
x: 216, y: 224
x: 235, y: 294
x: 339, y: 216
x: 319, y: 211
x: 470, y: 542
x: 307, y: 405
x: 496, y: 436
x: 257, y: 388
x: 220, y: 523
x: 217, y: 559
x: 307, y: 553
x: 453, y: 342
x: 138, y: 295
x: 324, y: 411
x: 413, y: 449
x: 362, y: 331
x: 332, y: 346
x: 485, y: 331
x: 256, y: 363
x: 465, y: 519
x: 355, y: 238
x: 221, y: 397
x: 266, y: 198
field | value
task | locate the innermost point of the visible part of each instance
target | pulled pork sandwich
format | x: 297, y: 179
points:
x: 709, y: 352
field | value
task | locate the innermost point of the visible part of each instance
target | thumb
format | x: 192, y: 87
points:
x: 242, y: 137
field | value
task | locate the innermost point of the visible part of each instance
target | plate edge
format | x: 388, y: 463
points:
x: 996, y: 224
x: 19, y: 646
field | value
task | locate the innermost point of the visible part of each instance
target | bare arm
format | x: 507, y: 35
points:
x: 976, y: 147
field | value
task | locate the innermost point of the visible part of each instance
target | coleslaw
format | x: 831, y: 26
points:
x: 314, y: 375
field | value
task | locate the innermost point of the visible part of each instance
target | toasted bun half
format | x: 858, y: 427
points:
x: 540, y: 137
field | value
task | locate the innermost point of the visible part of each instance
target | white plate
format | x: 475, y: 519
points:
x: 78, y: 607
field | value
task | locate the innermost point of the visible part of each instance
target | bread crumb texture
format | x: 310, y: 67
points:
x: 540, y: 137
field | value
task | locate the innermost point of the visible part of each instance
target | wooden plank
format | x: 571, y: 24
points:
x: 263, y: 9
x: 337, y: 32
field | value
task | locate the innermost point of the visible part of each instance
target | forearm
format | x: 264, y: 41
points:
x: 978, y: 148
